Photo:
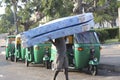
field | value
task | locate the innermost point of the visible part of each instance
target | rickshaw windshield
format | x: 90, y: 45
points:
x: 86, y: 37
x: 11, y: 40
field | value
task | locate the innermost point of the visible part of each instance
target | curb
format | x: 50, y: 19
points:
x: 109, y: 67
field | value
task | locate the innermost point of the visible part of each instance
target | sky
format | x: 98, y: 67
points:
x: 2, y: 9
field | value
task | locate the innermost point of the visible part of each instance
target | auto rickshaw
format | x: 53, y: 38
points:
x: 10, y: 47
x: 19, y: 50
x: 36, y: 53
x: 79, y: 51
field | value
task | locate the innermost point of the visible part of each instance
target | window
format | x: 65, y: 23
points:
x: 86, y: 37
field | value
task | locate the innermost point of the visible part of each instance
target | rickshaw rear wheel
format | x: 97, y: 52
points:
x: 26, y: 63
x: 52, y: 65
x: 16, y: 59
x: 47, y: 64
x: 12, y: 58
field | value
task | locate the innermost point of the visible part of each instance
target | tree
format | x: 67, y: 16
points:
x: 112, y: 11
x: 14, y: 4
x: 104, y: 10
x: 57, y: 8
x: 89, y: 5
x: 40, y: 8
x: 22, y: 13
x: 28, y: 8
x: 6, y: 20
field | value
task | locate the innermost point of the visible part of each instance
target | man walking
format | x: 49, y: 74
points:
x: 60, y: 61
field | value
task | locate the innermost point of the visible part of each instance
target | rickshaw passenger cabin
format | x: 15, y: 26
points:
x: 78, y: 48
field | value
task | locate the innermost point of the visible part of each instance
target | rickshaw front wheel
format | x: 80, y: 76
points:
x: 6, y: 58
x: 93, y: 70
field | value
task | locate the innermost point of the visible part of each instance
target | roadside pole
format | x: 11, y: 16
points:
x: 119, y: 21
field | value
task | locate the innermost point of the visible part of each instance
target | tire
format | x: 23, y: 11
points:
x: 16, y: 59
x: 26, y: 63
x: 93, y: 70
x: 52, y: 66
x: 47, y: 64
x: 6, y: 58
x: 12, y: 58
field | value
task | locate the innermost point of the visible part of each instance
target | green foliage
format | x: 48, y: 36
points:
x: 101, y: 2
x: 9, y: 15
x: 111, y: 41
x: 112, y: 9
x: 109, y: 14
x: 118, y: 3
x: 7, y: 21
x: 57, y: 8
x: 51, y: 8
x: 54, y: 9
x: 113, y: 32
x: 108, y: 33
x: 24, y: 15
x: 102, y: 34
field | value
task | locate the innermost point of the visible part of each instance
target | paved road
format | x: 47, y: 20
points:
x: 110, y: 54
x: 17, y: 71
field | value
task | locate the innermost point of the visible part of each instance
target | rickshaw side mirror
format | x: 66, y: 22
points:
x: 100, y: 48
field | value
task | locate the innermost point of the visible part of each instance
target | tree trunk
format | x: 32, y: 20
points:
x: 77, y: 7
x: 15, y: 15
x: 113, y: 23
x: 29, y: 23
x: 26, y: 27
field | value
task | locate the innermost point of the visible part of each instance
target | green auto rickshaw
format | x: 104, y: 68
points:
x: 36, y: 53
x: 10, y: 47
x: 19, y: 50
x: 83, y: 51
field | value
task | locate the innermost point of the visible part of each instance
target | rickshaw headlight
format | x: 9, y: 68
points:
x: 95, y: 59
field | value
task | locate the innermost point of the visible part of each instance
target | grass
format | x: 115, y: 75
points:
x: 111, y: 41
